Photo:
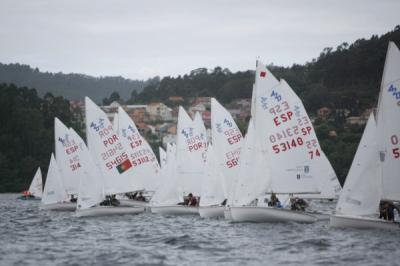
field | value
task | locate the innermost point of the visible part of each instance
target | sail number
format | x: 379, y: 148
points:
x: 287, y: 145
x: 117, y: 161
x: 395, y: 141
x: 289, y: 132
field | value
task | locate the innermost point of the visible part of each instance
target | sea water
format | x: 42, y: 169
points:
x: 29, y: 236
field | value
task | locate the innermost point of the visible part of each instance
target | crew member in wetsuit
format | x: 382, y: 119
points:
x: 140, y: 197
x: 274, y: 201
x: 387, y: 210
x: 192, y: 201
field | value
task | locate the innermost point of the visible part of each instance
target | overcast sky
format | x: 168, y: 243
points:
x: 141, y: 39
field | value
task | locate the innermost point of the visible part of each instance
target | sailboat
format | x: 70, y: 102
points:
x: 109, y: 172
x: 278, y: 163
x: 35, y: 190
x: 373, y: 176
x: 141, y: 155
x: 227, y: 142
x: 55, y: 196
x: 186, y: 168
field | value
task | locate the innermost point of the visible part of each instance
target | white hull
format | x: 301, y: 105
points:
x: 319, y: 216
x: 133, y: 203
x: 108, y: 210
x: 175, y: 210
x: 227, y: 214
x: 211, y: 211
x: 62, y: 206
x: 269, y: 214
x: 360, y: 222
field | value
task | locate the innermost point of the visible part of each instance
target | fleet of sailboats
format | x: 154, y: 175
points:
x: 227, y: 174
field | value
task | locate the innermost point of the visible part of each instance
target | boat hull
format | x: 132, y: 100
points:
x: 211, y: 211
x: 63, y: 206
x: 108, y: 210
x: 358, y: 222
x: 227, y: 214
x: 175, y: 210
x: 269, y: 215
x: 28, y: 198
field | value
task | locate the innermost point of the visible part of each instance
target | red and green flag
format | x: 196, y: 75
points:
x: 125, y: 165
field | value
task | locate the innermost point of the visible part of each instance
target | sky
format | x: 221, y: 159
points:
x: 142, y: 39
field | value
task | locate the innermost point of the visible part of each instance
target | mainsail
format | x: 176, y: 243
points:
x: 36, y: 187
x: 361, y: 192
x: 108, y: 151
x: 144, y: 161
x: 388, y: 125
x: 54, y: 191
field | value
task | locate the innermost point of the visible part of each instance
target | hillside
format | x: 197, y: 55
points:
x: 346, y: 77
x: 70, y: 86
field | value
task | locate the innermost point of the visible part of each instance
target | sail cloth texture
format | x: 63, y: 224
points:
x: 212, y: 192
x: 143, y: 160
x: 227, y: 143
x: 283, y: 133
x: 108, y: 151
x: 66, y: 149
x: 388, y: 124
x: 54, y: 191
x: 362, y: 190
x: 91, y: 183
x: 190, y: 147
x: 36, y: 187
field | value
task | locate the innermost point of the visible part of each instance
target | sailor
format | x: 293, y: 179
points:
x: 140, y: 197
x: 73, y: 199
x: 387, y: 210
x: 274, y: 201
x: 192, y: 201
x: 298, y: 204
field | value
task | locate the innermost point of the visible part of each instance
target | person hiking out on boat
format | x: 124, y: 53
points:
x: 298, y: 204
x: 274, y: 201
x: 387, y: 210
x: 73, y: 199
x: 190, y: 200
x: 140, y: 197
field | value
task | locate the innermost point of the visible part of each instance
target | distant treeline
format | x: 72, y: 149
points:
x: 27, y: 133
x: 346, y: 77
x: 70, y: 86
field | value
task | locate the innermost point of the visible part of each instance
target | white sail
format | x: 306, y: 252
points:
x: 284, y: 136
x: 388, y: 118
x: 36, y: 187
x: 66, y: 148
x: 323, y: 173
x: 163, y: 157
x: 227, y: 143
x: 253, y: 178
x: 90, y: 189
x: 199, y: 127
x: 144, y: 161
x: 168, y: 181
x: 54, y: 191
x: 361, y: 192
x: 211, y: 186
x: 108, y: 151
x: 190, y: 147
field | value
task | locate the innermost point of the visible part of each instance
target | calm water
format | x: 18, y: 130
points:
x: 32, y: 237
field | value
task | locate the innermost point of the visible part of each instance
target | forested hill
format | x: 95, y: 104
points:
x: 347, y: 76
x: 70, y: 86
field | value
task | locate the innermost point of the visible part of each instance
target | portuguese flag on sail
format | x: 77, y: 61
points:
x: 125, y: 165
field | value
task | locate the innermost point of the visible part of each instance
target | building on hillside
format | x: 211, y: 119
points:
x: 176, y: 99
x: 323, y: 113
x: 235, y: 113
x: 356, y: 120
x: 170, y: 138
x: 159, y: 111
